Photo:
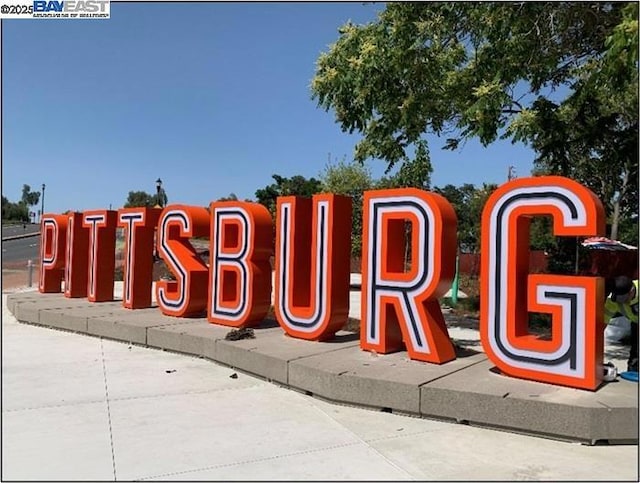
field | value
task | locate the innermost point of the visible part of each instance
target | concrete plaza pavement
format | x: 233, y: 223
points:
x: 76, y: 407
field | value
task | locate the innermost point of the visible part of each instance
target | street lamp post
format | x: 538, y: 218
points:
x: 42, y: 203
x: 158, y: 191
x: 158, y: 205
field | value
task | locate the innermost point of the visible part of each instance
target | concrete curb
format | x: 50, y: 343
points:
x: 18, y: 237
x: 466, y: 390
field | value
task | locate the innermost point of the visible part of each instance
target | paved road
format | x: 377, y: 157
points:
x: 20, y: 250
x: 13, y: 230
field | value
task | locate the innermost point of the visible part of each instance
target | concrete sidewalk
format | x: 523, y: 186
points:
x: 77, y: 407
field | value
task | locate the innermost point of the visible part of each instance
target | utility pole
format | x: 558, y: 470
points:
x: 511, y: 174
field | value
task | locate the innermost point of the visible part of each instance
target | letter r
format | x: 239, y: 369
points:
x: 400, y: 307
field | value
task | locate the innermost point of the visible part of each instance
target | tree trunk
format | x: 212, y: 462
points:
x: 615, y: 218
x: 407, y: 246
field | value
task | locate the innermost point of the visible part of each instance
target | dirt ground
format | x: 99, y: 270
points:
x: 16, y: 275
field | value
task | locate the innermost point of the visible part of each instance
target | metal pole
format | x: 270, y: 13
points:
x: 42, y: 204
x: 454, y: 286
x: 158, y: 192
x: 30, y: 273
x: 158, y: 205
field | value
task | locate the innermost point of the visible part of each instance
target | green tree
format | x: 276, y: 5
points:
x: 468, y: 203
x: 541, y: 234
x: 137, y: 199
x: 294, y: 186
x: 5, y: 205
x: 628, y: 231
x: 230, y: 197
x: 349, y: 179
x: 413, y: 173
x: 561, y: 76
x: 29, y: 198
x: 14, y: 211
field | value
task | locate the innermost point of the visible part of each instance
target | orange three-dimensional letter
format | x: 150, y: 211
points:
x: 573, y: 356
x: 76, y: 270
x: 187, y: 295
x: 102, y: 253
x: 401, y: 308
x: 313, y: 245
x: 52, y: 252
x: 240, y: 272
x: 139, y: 226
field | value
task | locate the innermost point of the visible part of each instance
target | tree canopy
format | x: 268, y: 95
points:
x: 468, y: 203
x: 14, y: 211
x: 29, y: 198
x: 349, y: 179
x: 294, y: 186
x: 138, y: 199
x: 20, y: 211
x: 559, y: 76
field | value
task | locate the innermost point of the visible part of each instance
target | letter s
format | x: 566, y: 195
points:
x: 187, y: 296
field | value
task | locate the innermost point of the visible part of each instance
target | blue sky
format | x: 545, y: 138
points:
x: 213, y: 98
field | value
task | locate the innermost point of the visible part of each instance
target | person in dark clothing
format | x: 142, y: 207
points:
x: 623, y: 300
